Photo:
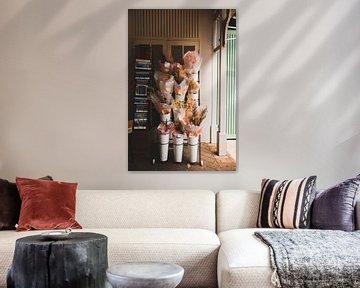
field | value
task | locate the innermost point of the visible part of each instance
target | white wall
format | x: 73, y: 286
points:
x: 63, y: 92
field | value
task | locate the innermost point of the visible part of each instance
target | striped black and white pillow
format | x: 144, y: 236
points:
x: 286, y: 204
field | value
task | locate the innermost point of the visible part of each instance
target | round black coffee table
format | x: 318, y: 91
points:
x: 79, y: 260
x: 145, y: 275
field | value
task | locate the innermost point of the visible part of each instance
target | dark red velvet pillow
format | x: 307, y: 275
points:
x: 10, y: 204
x: 46, y: 204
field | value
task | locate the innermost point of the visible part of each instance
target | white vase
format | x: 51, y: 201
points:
x: 178, y: 147
x: 165, y: 118
x: 193, y: 144
x: 164, y: 146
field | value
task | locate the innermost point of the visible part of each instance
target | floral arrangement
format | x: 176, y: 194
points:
x: 165, y: 97
x: 192, y: 62
x: 162, y: 108
x: 182, y: 88
x: 180, y: 104
x: 177, y: 129
x: 179, y: 109
x: 180, y: 73
x: 194, y: 86
x: 166, y: 67
x: 165, y: 128
x: 192, y: 119
x: 179, y: 80
x: 198, y: 115
x: 165, y: 82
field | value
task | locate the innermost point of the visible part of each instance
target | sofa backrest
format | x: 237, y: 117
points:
x: 146, y: 209
x: 236, y: 209
x: 239, y: 209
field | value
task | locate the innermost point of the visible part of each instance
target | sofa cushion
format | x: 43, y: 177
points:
x: 46, y: 204
x: 236, y: 209
x: 286, y: 204
x: 334, y: 208
x: 244, y: 261
x: 153, y: 209
x: 10, y: 204
x: 194, y: 249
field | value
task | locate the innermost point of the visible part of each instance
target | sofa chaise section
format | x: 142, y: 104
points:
x: 244, y: 260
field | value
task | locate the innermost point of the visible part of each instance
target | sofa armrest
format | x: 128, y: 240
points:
x: 357, y: 215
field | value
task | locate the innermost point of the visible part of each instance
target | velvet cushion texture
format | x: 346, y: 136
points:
x: 46, y: 204
x: 10, y: 204
x: 334, y: 208
x: 286, y: 203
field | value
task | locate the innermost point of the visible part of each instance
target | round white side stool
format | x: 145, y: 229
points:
x: 145, y: 275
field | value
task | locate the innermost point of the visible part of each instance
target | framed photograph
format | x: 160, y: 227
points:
x: 182, y: 90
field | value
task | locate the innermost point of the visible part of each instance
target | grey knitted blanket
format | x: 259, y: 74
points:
x: 313, y: 258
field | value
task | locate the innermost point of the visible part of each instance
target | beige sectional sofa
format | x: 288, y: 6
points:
x: 177, y: 226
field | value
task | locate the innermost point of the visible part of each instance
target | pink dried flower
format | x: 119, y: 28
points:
x: 166, y: 128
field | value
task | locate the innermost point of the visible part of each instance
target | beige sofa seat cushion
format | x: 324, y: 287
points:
x: 194, y: 249
x: 244, y: 261
x: 146, y: 209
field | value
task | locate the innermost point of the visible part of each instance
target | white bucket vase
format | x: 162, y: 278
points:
x: 178, y: 147
x: 180, y: 97
x: 193, y: 144
x: 164, y: 146
x: 165, y: 118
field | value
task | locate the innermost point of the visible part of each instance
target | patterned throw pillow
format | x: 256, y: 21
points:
x: 286, y: 204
